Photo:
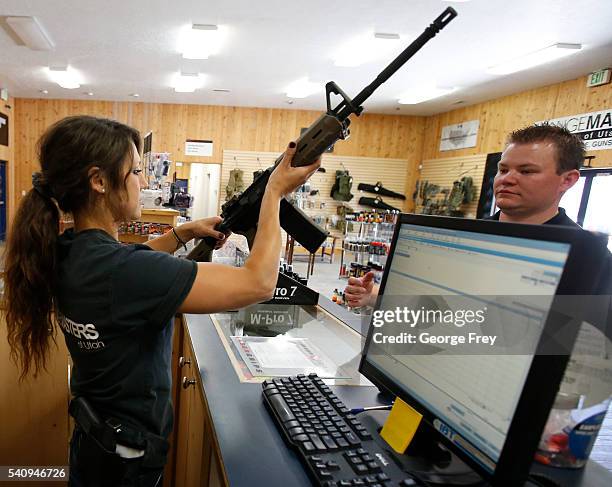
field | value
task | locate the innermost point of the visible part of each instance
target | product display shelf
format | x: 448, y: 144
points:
x: 157, y: 218
x: 366, y: 243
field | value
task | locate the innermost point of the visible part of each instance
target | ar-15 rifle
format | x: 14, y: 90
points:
x: 241, y: 213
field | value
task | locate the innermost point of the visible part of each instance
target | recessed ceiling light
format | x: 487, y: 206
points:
x: 425, y: 93
x: 200, y: 41
x: 535, y: 58
x: 221, y: 90
x: 366, y: 48
x: 31, y: 33
x: 187, y: 82
x: 135, y: 95
x: 88, y: 93
x: 66, y: 77
x: 44, y: 92
x: 302, y: 88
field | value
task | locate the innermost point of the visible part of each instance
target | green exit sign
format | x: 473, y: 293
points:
x: 598, y: 78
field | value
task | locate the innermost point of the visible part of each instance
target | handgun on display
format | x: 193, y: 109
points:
x: 241, y: 213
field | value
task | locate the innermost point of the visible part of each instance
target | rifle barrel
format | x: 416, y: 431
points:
x: 429, y: 33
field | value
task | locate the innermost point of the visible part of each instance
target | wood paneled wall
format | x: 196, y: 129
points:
x: 230, y: 128
x: 267, y: 130
x: 7, y: 153
x: 501, y: 116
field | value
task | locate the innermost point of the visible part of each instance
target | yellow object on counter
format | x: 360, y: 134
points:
x: 401, y: 425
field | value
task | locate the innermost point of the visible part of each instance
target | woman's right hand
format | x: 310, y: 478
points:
x: 285, y: 178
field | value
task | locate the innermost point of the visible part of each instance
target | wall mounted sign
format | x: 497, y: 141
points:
x: 594, y: 128
x: 195, y: 147
x: 459, y: 136
x: 4, y: 134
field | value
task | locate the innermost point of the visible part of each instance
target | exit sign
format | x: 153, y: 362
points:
x: 598, y: 78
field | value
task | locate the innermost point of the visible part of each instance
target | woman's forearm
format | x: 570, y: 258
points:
x: 265, y: 254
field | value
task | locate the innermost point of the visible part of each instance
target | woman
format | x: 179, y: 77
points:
x: 113, y: 302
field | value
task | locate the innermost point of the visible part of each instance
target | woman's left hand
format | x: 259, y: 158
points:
x: 206, y: 228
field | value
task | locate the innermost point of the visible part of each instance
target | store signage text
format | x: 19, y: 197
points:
x: 594, y: 128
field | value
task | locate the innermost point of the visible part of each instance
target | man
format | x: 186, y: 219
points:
x: 540, y: 163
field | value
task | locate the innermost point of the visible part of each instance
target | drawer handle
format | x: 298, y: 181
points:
x: 188, y: 382
x: 183, y: 361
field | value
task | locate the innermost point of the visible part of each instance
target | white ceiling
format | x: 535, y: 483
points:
x: 126, y: 46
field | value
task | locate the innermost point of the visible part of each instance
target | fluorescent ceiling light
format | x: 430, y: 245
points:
x: 201, y: 41
x: 31, y: 33
x: 65, y: 77
x: 535, y: 58
x: 302, y: 88
x: 187, y: 82
x: 366, y: 48
x: 424, y: 94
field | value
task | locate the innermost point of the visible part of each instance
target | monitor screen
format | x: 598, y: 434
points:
x: 469, y: 398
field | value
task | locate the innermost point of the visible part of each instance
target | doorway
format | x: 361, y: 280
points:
x: 204, y: 186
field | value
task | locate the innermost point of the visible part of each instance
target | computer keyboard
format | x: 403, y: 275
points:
x: 336, y: 449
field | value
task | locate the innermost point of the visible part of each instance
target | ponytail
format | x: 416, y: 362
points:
x: 30, y: 281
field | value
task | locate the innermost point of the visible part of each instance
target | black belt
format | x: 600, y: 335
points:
x: 112, y: 431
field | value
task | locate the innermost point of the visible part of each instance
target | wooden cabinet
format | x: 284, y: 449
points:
x: 34, y: 424
x: 197, y: 461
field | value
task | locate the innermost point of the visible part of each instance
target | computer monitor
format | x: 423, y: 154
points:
x: 489, y: 410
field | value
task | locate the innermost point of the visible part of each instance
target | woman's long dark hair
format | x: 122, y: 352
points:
x: 67, y: 151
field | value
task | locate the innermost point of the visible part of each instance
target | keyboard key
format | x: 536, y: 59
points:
x: 374, y: 467
x: 361, y: 451
x: 315, y: 459
x: 331, y: 465
x: 316, y: 441
x: 370, y: 480
x: 308, y: 447
x: 296, y: 431
x: 342, y: 443
x: 345, y: 483
x: 351, y: 438
x: 382, y: 477
x: 364, y: 435
x: 360, y: 469
x: 324, y: 474
x: 407, y: 483
x: 329, y: 442
x: 280, y: 407
x: 355, y: 460
x: 300, y: 438
x: 291, y: 424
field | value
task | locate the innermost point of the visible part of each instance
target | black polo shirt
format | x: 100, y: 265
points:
x: 605, y: 285
x: 116, y: 306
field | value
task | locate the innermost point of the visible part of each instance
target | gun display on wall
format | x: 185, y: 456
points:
x: 241, y: 213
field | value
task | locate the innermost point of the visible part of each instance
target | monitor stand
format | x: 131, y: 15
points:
x: 426, y: 458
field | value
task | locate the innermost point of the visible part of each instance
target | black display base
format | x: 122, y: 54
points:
x: 426, y: 459
x: 290, y: 291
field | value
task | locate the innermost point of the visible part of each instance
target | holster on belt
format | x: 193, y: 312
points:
x: 111, y: 431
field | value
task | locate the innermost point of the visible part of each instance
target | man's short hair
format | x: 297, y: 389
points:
x: 569, y: 147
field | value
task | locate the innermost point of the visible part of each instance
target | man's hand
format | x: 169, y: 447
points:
x: 361, y: 291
